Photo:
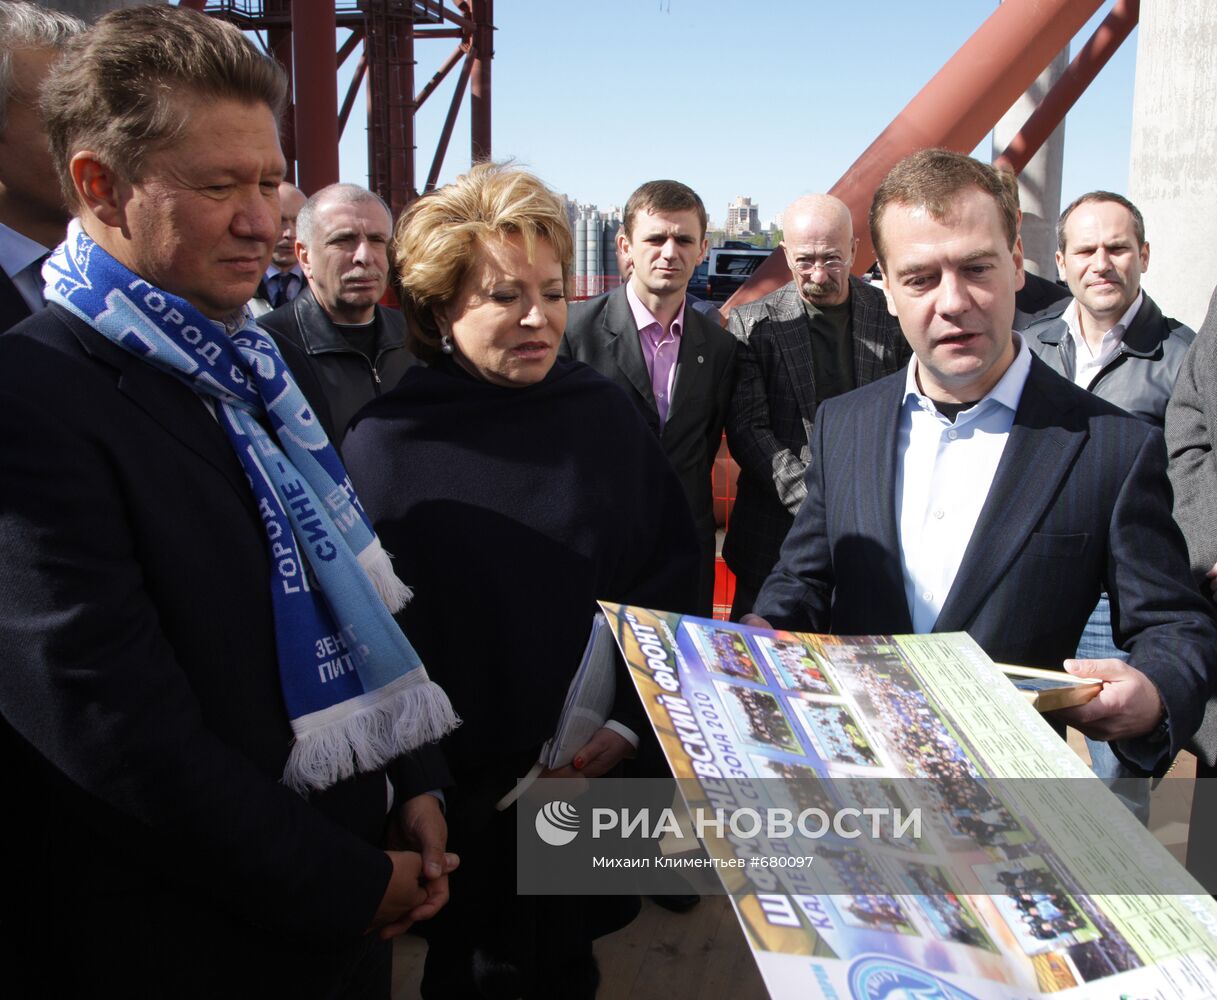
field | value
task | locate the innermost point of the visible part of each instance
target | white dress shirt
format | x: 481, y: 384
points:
x: 943, y: 474
x: 1087, y: 363
x: 20, y: 257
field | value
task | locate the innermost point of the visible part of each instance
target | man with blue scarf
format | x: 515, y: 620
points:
x: 217, y: 738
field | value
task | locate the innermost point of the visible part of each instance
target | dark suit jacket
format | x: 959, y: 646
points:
x: 13, y: 308
x: 773, y: 410
x: 1039, y: 294
x: 347, y: 380
x: 143, y: 722
x: 601, y: 333
x: 1080, y: 502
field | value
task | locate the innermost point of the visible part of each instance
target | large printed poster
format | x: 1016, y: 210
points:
x: 995, y: 899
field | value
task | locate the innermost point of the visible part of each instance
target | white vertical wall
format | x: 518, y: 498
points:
x: 1172, y: 174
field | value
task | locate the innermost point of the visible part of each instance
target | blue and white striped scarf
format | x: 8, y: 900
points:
x: 353, y: 686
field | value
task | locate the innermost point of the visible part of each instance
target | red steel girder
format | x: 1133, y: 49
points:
x: 314, y: 38
x: 438, y: 78
x: 389, y: 54
x: 479, y: 95
x: 344, y: 113
x: 1092, y: 57
x: 962, y: 102
x: 309, y: 139
x: 449, y: 122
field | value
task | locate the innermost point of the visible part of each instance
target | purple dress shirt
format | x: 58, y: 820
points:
x: 660, y: 349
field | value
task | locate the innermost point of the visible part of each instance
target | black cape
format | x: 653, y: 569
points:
x: 510, y: 511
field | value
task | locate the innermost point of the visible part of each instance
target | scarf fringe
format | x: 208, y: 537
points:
x: 377, y: 563
x: 369, y: 739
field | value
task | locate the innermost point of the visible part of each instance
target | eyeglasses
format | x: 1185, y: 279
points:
x: 831, y: 264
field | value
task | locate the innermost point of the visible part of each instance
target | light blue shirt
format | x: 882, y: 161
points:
x: 20, y: 257
x: 943, y: 474
x: 292, y: 279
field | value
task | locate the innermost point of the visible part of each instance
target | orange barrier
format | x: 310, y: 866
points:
x: 724, y: 479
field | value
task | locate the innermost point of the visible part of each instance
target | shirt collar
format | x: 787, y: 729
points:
x: 643, y: 317
x: 272, y: 271
x: 1111, y: 338
x: 18, y: 252
x: 1008, y: 391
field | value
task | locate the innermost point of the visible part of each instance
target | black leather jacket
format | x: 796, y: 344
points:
x: 347, y: 378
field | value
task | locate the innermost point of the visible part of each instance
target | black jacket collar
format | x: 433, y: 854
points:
x: 319, y: 334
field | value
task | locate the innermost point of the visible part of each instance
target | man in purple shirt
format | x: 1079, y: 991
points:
x: 676, y: 365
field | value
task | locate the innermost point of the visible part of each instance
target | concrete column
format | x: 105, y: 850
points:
x: 313, y: 45
x: 1039, y: 185
x: 1171, y: 175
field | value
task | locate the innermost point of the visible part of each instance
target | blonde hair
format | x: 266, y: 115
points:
x: 438, y: 237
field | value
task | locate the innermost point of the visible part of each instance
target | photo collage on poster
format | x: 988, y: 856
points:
x: 842, y: 721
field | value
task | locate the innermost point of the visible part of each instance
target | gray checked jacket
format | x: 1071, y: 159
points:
x: 773, y: 410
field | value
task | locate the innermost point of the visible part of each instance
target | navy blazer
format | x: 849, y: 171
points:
x: 13, y: 307
x: 142, y: 713
x: 1079, y: 503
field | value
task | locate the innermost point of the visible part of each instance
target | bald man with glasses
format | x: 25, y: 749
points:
x: 821, y: 334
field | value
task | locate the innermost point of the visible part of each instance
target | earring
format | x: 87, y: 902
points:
x: 445, y: 344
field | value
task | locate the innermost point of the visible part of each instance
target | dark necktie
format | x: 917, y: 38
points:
x: 281, y: 293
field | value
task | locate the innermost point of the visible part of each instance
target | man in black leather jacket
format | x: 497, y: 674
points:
x: 355, y: 347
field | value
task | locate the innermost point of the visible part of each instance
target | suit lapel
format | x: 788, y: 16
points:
x: 13, y: 307
x: 1147, y: 331
x: 690, y: 363
x: 877, y: 501
x: 621, y: 334
x: 868, y: 333
x: 1039, y: 453
x: 171, y: 404
x: 790, y: 330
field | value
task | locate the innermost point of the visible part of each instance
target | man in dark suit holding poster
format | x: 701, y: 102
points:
x: 979, y: 491
x: 673, y: 362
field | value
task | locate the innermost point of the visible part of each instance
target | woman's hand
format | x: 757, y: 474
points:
x: 599, y: 755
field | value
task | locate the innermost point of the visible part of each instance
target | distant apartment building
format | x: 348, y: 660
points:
x: 743, y: 218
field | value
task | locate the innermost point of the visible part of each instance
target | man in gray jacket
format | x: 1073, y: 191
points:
x: 1112, y: 339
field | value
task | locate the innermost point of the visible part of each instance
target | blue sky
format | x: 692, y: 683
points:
x: 769, y: 98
